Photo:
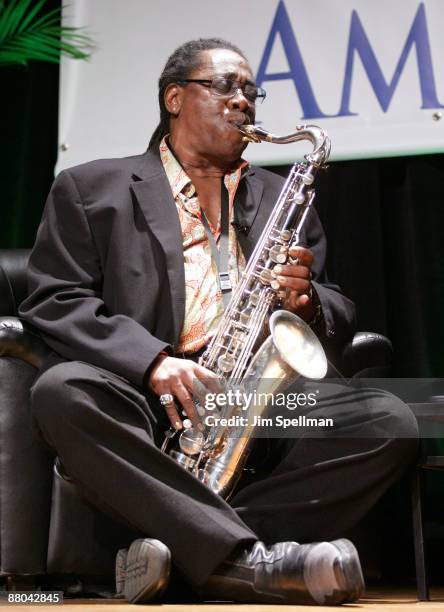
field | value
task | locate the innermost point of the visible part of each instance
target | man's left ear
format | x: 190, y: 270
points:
x: 173, y: 98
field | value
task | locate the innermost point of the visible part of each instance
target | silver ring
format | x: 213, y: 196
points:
x: 166, y: 398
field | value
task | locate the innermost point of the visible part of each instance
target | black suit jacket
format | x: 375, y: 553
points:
x: 106, y: 275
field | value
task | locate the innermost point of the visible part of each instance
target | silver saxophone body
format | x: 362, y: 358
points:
x: 218, y: 454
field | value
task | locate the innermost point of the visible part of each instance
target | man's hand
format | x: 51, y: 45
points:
x: 295, y: 277
x: 177, y: 377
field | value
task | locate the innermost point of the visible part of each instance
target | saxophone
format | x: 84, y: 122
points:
x: 218, y: 454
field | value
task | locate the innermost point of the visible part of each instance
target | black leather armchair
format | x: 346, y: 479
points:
x: 45, y: 526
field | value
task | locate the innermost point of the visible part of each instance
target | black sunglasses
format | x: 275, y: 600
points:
x: 222, y: 86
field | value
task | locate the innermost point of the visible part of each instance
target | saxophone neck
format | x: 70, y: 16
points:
x: 316, y: 135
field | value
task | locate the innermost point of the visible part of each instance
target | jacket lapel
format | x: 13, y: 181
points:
x: 153, y: 193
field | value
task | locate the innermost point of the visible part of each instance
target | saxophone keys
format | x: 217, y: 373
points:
x: 275, y: 285
x: 254, y: 297
x: 200, y: 410
x: 278, y: 254
x: 191, y: 441
x: 237, y: 336
x: 245, y: 316
x: 299, y: 198
x: 266, y: 276
x: 286, y: 235
x: 226, y: 363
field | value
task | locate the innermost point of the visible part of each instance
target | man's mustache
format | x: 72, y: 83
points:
x: 239, y: 118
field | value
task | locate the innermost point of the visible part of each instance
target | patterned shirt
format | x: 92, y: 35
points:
x: 203, y: 298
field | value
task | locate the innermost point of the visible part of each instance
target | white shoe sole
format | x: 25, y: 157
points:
x: 143, y: 571
x: 333, y: 578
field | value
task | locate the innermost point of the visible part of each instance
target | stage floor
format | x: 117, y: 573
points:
x: 375, y: 600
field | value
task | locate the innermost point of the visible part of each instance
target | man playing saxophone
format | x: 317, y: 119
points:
x: 125, y: 289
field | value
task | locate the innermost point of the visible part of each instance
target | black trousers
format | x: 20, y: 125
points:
x: 104, y: 431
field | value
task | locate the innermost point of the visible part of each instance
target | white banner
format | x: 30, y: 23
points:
x: 370, y: 73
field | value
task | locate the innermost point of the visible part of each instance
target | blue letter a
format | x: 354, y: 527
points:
x: 281, y: 25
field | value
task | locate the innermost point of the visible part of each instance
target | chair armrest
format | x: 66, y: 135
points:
x: 19, y: 339
x: 14, y: 263
x: 7, y: 302
x: 368, y: 355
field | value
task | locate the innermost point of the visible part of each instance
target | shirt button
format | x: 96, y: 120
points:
x: 331, y: 332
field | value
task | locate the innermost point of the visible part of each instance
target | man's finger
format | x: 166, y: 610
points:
x: 305, y: 256
x: 173, y: 415
x: 292, y: 270
x: 300, y: 285
x: 201, y: 392
x: 186, y: 401
x: 208, y: 378
x: 295, y: 300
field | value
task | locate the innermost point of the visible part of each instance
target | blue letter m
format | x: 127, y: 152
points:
x: 359, y: 42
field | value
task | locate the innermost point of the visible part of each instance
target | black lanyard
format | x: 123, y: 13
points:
x: 221, y: 254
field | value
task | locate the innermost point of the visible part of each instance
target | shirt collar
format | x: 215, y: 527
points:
x: 179, y: 180
x: 177, y: 177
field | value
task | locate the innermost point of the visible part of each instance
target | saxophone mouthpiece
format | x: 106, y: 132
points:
x: 249, y: 133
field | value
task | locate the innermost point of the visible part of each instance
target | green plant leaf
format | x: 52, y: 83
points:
x: 20, y: 12
x: 14, y: 13
x: 27, y: 21
x: 27, y: 33
x: 5, y: 20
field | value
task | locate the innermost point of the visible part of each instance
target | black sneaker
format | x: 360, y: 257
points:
x: 323, y: 573
x: 143, y: 570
